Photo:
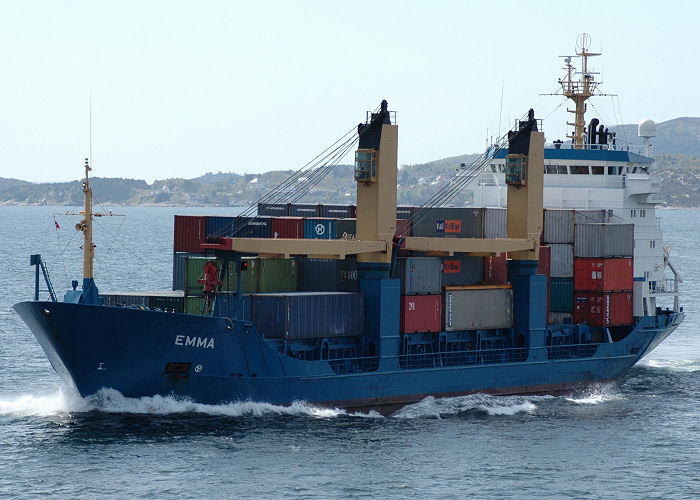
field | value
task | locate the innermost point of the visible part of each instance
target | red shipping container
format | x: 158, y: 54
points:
x: 495, y: 271
x: 403, y: 228
x: 603, y: 309
x: 189, y: 233
x: 545, y: 258
x: 604, y: 275
x: 287, y: 227
x: 421, y: 313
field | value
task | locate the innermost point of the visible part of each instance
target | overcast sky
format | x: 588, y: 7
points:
x: 184, y: 88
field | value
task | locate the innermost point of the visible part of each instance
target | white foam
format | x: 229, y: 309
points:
x: 65, y: 401
x: 597, y: 394
x: 676, y: 365
x: 60, y: 403
x: 431, y: 407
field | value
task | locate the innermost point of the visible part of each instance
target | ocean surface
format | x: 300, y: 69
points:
x: 638, y: 437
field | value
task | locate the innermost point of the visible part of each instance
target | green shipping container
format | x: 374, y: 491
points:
x: 169, y: 304
x: 277, y: 275
x: 346, y: 229
x: 194, y: 271
x: 194, y: 305
x: 249, y: 278
x: 561, y: 294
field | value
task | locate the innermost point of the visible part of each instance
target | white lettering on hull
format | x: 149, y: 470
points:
x: 201, y: 342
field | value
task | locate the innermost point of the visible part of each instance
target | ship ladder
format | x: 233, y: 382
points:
x: 35, y: 260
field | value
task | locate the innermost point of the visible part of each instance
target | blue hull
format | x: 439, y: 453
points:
x: 217, y: 360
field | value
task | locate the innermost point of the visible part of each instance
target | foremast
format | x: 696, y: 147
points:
x: 90, y: 292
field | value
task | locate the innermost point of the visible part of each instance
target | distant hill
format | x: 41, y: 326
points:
x: 680, y: 136
x: 677, y: 149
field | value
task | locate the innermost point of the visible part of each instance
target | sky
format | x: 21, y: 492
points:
x: 179, y: 89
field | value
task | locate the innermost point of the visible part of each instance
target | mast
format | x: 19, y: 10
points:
x: 579, y: 91
x: 90, y: 294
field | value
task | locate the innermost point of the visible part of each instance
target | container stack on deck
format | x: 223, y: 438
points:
x: 587, y: 259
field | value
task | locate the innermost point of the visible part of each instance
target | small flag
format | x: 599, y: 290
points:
x: 56, y: 222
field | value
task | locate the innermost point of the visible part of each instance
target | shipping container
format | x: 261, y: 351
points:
x: 494, y: 270
x: 194, y: 271
x: 277, y: 275
x: 328, y: 275
x: 461, y: 270
x: 194, y: 305
x: 561, y: 294
x: 562, y: 260
x: 421, y: 313
x: 221, y: 226
x: 604, y: 240
x: 189, y: 233
x: 495, y: 223
x: 225, y: 306
x: 559, y: 223
x: 126, y: 299
x: 404, y: 212
x: 603, y: 275
x: 180, y: 269
x: 318, y: 228
x: 168, y: 301
x: 603, y: 308
x: 545, y: 260
x: 287, y: 227
x: 346, y: 229
x: 249, y: 277
x: 419, y: 275
x: 253, y: 227
x: 448, y: 222
x: 403, y: 228
x: 303, y: 315
x: 273, y: 209
x: 337, y: 211
x: 561, y: 318
x: 303, y: 210
x: 348, y: 276
x: 478, y: 308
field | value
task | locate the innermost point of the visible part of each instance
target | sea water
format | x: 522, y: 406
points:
x: 637, y: 437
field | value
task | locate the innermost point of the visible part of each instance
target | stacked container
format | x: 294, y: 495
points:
x: 319, y: 228
x: 448, y: 223
x: 461, y: 270
x: 189, y: 233
x: 420, y: 289
x: 287, y: 227
x: 346, y: 229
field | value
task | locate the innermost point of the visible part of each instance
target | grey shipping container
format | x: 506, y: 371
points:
x: 495, y: 222
x: 336, y: 211
x: 419, y: 275
x: 303, y: 315
x: 561, y: 318
x: 328, y: 275
x: 301, y: 210
x: 403, y: 212
x: 559, y: 223
x: 461, y: 270
x: 562, y: 263
x: 273, y: 209
x: 478, y: 308
x: 604, y: 240
x: 448, y: 222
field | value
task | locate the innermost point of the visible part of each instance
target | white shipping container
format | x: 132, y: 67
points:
x: 495, y: 222
x: 562, y: 260
x: 604, y: 240
x: 478, y: 308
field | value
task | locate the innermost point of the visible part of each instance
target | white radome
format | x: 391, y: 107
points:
x: 646, y: 128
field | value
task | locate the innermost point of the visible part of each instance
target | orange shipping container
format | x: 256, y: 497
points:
x: 603, y: 309
x: 604, y: 275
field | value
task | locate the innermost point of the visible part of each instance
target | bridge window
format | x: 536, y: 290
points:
x: 642, y: 213
x: 550, y: 169
x: 579, y: 169
x: 633, y: 213
x: 597, y: 170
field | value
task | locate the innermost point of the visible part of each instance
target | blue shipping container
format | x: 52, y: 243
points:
x: 225, y: 306
x: 253, y: 227
x: 273, y: 209
x: 319, y: 229
x: 328, y: 275
x: 337, y: 211
x: 301, y: 210
x: 221, y: 226
x: 303, y: 315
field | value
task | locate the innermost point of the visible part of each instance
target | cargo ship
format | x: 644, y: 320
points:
x: 548, y: 283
